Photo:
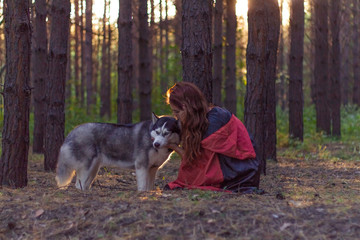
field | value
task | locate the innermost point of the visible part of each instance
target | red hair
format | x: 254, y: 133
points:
x: 189, y: 98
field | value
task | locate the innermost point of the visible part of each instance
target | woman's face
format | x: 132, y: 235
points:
x: 178, y: 113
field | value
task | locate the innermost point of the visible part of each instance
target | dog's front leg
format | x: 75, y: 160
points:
x: 142, y: 179
x: 152, y: 175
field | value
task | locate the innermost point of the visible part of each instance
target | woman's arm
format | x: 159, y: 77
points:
x: 176, y: 148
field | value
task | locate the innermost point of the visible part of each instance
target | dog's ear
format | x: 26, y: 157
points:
x: 154, y: 118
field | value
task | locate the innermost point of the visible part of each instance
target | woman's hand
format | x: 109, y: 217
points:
x: 176, y: 148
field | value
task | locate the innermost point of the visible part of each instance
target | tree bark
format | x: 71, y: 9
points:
x: 105, y: 93
x: 322, y: 84
x: 217, y: 58
x: 90, y: 98
x: 83, y: 61
x: 296, y: 96
x: 335, y: 94
x: 345, y: 31
x: 260, y: 114
x: 15, y: 134
x: 145, y: 78
x: 196, y: 46
x: 55, y: 122
x: 281, y: 86
x: 178, y: 23
x: 40, y: 70
x: 125, y: 63
x: 230, y: 83
x: 356, y: 64
x: 163, y: 83
x: 76, y: 52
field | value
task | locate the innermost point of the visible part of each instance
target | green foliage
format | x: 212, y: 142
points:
x: 316, y: 142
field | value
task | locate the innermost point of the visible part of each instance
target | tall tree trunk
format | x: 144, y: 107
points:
x: 83, y: 61
x: 90, y: 98
x: 96, y: 64
x: 163, y: 83
x: 322, y: 85
x: 260, y: 114
x: 153, y: 37
x: 135, y: 47
x: 345, y: 32
x: 15, y: 134
x: 105, y: 93
x: 335, y: 94
x: 40, y: 65
x: 280, y: 87
x: 196, y: 46
x: 356, y: 64
x: 296, y: 96
x: 77, y: 53
x: 217, y: 59
x: 125, y: 63
x: 178, y: 23
x: 68, y: 81
x: 145, y: 78
x: 55, y: 121
x: 230, y: 83
x: 167, y: 45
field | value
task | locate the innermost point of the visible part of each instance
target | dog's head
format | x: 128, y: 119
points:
x: 165, y: 130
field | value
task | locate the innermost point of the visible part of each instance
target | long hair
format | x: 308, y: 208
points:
x: 189, y: 98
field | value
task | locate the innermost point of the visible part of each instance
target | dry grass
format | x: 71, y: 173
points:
x: 311, y: 197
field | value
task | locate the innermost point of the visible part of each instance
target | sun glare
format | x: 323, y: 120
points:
x: 241, y: 9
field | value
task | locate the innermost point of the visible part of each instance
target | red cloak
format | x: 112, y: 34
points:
x: 231, y: 140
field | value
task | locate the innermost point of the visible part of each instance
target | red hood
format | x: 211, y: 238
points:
x: 205, y: 173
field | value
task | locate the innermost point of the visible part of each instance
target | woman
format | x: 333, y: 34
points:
x: 217, y: 153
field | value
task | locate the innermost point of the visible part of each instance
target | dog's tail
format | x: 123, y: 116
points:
x: 64, y: 172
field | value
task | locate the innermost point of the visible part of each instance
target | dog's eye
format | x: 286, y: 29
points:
x: 157, y: 132
x: 165, y: 133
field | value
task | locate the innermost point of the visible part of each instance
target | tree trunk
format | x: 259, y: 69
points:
x: 125, y: 67
x: 345, y: 31
x: 218, y: 38
x: 55, y: 122
x: 90, y: 98
x: 15, y: 134
x: 260, y: 114
x: 178, y: 23
x: 296, y: 97
x: 230, y: 83
x: 145, y: 78
x: 68, y: 81
x: 167, y: 46
x: 356, y: 66
x: 335, y: 97
x: 322, y: 85
x: 77, y: 53
x: 105, y: 93
x: 281, y: 86
x: 163, y: 84
x: 83, y: 62
x: 196, y: 46
x: 40, y: 70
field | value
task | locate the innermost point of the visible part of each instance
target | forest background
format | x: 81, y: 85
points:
x: 330, y: 43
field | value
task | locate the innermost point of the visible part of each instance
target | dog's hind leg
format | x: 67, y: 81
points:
x: 85, y: 176
x: 93, y: 171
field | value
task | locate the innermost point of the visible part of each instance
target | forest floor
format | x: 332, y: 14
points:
x: 310, y: 195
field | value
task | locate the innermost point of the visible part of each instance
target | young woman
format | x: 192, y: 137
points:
x: 217, y: 153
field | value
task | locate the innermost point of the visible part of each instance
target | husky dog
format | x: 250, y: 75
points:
x: 141, y: 146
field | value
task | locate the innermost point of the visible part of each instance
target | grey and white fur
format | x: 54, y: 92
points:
x: 141, y: 146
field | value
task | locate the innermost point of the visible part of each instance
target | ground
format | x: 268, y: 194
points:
x: 308, y: 196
